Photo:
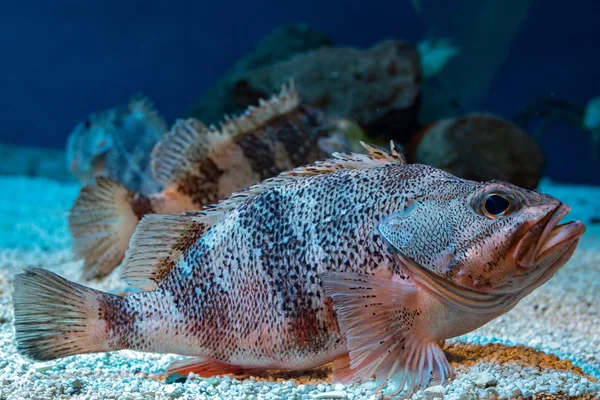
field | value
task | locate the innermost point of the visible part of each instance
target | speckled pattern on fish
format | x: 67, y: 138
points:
x: 314, y: 266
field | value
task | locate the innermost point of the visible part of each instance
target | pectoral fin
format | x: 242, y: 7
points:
x: 382, y: 321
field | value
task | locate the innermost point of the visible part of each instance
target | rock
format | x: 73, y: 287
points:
x: 169, y: 388
x: 175, y: 378
x: 479, y: 147
x: 331, y: 395
x: 339, y: 387
x: 77, y: 385
x: 435, y: 392
x: 378, y: 87
x: 281, y: 44
x: 42, y: 370
x: 484, y: 380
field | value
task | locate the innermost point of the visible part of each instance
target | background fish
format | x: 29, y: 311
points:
x: 360, y: 260
x: 117, y: 143
x: 198, y: 165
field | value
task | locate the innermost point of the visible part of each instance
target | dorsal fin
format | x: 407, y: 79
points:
x: 190, y: 141
x: 156, y: 244
x: 159, y: 240
x: 377, y: 157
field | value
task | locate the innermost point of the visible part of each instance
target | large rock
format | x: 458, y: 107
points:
x: 480, y: 147
x: 283, y: 43
x: 378, y: 87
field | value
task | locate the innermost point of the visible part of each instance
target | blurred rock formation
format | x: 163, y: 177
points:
x: 378, y: 87
x: 281, y: 44
x: 479, y: 147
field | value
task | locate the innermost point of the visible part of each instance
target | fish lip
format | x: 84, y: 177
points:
x: 561, y: 233
x: 548, y: 237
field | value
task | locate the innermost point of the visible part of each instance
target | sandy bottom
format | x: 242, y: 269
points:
x: 548, y: 347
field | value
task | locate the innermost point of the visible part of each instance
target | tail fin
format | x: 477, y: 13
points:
x: 102, y: 221
x: 56, y: 318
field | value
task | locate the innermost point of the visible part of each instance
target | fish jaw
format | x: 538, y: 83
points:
x: 562, y: 235
x: 546, y: 246
x: 528, y: 250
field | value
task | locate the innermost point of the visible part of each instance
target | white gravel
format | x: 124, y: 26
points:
x: 548, y: 347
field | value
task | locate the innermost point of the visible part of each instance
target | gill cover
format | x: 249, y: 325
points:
x: 421, y: 232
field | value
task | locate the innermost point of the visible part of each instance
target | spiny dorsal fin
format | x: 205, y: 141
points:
x: 156, y: 245
x: 190, y: 141
x: 183, y: 146
x: 377, y: 157
x: 256, y: 117
x: 395, y: 155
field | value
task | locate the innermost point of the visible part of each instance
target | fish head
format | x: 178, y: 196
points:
x: 88, y: 145
x: 490, y: 237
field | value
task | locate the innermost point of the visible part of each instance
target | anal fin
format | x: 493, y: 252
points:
x: 205, y: 367
x: 341, y: 370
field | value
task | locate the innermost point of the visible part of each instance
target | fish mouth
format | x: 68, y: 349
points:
x: 547, y: 239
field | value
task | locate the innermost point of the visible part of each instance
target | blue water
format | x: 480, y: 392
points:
x: 63, y: 59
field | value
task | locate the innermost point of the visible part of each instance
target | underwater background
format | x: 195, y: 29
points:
x: 64, y: 59
x: 520, y: 72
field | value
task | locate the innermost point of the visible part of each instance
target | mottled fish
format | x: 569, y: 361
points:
x: 360, y: 260
x: 117, y: 143
x: 198, y: 165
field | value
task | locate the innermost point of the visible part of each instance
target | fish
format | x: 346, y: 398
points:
x: 359, y: 260
x: 117, y: 143
x: 198, y: 165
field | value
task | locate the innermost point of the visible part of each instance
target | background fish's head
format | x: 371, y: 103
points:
x: 88, y: 146
x: 490, y: 237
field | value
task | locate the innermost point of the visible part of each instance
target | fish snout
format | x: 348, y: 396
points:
x: 547, y: 238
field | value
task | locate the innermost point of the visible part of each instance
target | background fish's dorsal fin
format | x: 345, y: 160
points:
x: 377, y: 157
x: 185, y: 145
x: 190, y: 141
x: 156, y: 245
x: 256, y: 117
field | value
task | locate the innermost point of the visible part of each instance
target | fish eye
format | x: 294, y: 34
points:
x: 496, y: 205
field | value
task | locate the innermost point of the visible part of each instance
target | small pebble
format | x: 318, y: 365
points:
x: 331, y: 395
x: 169, y: 388
x: 435, y: 392
x: 484, y: 379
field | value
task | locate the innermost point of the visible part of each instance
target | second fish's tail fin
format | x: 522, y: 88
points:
x: 102, y: 221
x: 56, y: 318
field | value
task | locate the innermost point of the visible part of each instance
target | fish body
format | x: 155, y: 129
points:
x: 362, y: 261
x: 198, y: 165
x: 117, y: 143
